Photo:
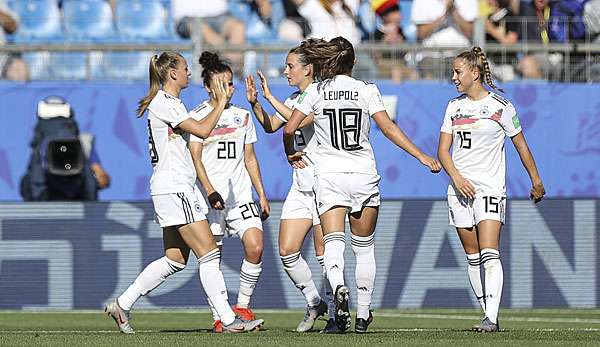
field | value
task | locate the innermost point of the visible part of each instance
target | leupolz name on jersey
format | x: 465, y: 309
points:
x: 340, y: 95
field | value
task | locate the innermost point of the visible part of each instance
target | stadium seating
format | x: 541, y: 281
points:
x: 125, y: 66
x: 88, y: 20
x: 141, y: 20
x: 39, y: 20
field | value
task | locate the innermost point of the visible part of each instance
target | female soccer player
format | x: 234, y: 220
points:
x: 227, y: 168
x: 177, y: 209
x: 475, y: 125
x: 346, y: 176
x: 299, y: 211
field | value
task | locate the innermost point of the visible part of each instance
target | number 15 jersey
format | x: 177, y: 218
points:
x: 342, y: 107
x: 223, y: 152
x: 479, y: 129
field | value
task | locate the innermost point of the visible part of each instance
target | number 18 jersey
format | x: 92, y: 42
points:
x: 223, y: 152
x: 342, y: 107
x: 479, y: 129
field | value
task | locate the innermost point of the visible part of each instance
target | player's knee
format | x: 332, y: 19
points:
x: 287, y: 249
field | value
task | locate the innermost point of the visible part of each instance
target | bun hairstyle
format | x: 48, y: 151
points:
x: 211, y: 65
x: 477, y: 60
x: 329, y: 59
x: 159, y: 71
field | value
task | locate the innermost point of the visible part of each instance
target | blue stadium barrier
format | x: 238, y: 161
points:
x: 80, y: 256
x: 561, y: 123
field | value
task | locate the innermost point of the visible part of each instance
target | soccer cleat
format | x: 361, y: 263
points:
x: 486, y: 326
x: 312, y: 313
x: 244, y: 313
x: 361, y: 324
x: 217, y: 326
x: 241, y: 326
x: 342, y: 312
x: 120, y: 316
x: 331, y: 327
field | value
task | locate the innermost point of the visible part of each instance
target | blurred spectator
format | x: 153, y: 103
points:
x: 534, y: 18
x: 218, y: 26
x: 591, y: 18
x: 331, y: 18
x: 566, y: 21
x: 390, y: 31
x: 294, y: 27
x: 263, y: 20
x: 442, y: 23
x: 12, y: 67
x: 501, y: 25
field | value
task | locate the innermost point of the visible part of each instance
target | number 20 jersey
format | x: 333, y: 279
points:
x: 223, y: 152
x: 342, y: 107
x: 479, y: 129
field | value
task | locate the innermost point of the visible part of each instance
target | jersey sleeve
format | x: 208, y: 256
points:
x: 289, y: 102
x: 306, y: 101
x: 374, y: 100
x: 197, y: 116
x: 447, y: 124
x: 509, y: 121
x: 171, y: 112
x: 250, y: 131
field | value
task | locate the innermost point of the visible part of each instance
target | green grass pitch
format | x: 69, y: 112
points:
x: 439, y: 327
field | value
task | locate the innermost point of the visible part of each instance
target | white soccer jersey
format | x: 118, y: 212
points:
x: 302, y: 179
x: 172, y: 165
x: 479, y: 129
x: 223, y: 152
x: 342, y: 107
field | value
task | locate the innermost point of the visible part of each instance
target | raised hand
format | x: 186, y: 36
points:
x: 264, y: 85
x: 251, y: 92
x: 220, y: 90
x: 537, y: 192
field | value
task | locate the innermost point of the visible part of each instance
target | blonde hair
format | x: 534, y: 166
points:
x: 476, y: 59
x: 159, y: 71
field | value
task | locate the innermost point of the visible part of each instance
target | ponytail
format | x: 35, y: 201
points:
x: 476, y: 59
x: 329, y: 59
x: 158, y: 72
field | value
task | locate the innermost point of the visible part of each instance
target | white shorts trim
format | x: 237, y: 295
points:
x: 465, y: 213
x: 177, y: 209
x: 351, y: 190
x: 300, y: 205
x: 234, y: 220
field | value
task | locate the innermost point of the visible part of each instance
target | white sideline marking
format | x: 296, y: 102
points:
x: 504, y: 318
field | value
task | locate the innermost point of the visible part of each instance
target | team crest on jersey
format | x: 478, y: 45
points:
x: 197, y: 207
x: 484, y: 112
x: 237, y: 120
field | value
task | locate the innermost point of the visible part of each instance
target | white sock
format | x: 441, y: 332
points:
x: 364, y: 250
x: 334, y: 258
x: 473, y: 270
x: 299, y: 272
x: 151, y: 277
x: 494, y: 279
x: 249, y: 275
x: 214, y: 286
x: 328, y: 293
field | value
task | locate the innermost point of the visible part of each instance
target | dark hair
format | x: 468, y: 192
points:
x: 476, y: 59
x: 159, y: 69
x: 329, y: 59
x: 301, y: 53
x: 211, y: 65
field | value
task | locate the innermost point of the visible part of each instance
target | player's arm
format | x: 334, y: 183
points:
x: 464, y: 187
x: 214, y: 198
x: 203, y: 127
x: 254, y: 171
x: 269, y: 123
x: 397, y: 136
x: 289, y: 131
x: 537, y: 191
